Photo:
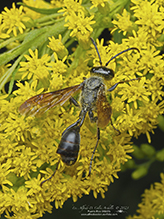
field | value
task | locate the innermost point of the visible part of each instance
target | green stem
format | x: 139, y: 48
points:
x: 48, y: 17
x: 12, y: 39
x: 9, y: 72
x: 34, y: 39
x: 51, y: 22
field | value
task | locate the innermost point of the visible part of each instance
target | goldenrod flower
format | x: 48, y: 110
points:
x: 96, y: 3
x: 151, y: 21
x: 57, y: 3
x: 123, y: 23
x: 57, y: 46
x: 26, y: 90
x: 35, y: 67
x: 5, y: 170
x: 58, y: 68
x: 77, y: 21
x: 70, y: 6
x: 53, y: 51
x: 79, y: 24
x: 152, y: 205
x: 13, y: 20
x: 2, y: 34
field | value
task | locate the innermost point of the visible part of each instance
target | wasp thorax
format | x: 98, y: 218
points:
x: 69, y: 146
x: 93, y: 82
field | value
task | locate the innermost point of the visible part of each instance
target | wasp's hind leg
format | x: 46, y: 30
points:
x: 93, y: 153
x: 50, y: 176
x: 118, y: 131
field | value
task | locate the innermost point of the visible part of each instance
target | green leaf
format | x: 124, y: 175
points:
x: 9, y: 72
x: 34, y: 39
x: 12, y: 80
x: 41, y: 10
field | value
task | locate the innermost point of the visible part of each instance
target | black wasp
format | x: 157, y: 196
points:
x: 92, y: 100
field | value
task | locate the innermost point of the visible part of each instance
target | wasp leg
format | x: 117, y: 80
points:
x: 121, y: 82
x: 98, y: 138
x: 82, y: 116
x: 118, y: 131
x: 50, y: 176
x: 74, y: 102
x: 93, y: 118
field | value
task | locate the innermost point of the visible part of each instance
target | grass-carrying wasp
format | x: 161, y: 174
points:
x: 92, y: 100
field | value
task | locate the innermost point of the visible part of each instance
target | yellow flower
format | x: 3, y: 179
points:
x: 25, y: 163
x: 98, y: 2
x: 58, y: 68
x: 2, y: 34
x: 35, y: 67
x: 57, y: 3
x: 57, y: 46
x: 123, y: 23
x: 29, y: 143
x: 16, y: 130
x: 152, y: 20
x: 130, y: 120
x: 77, y: 21
x: 79, y: 24
x: 26, y: 91
x: 13, y: 20
x: 137, y: 91
x: 71, y: 6
x: 5, y: 170
x: 152, y: 205
x: 19, y: 200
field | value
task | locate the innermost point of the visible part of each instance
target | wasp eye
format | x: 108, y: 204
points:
x: 103, y: 71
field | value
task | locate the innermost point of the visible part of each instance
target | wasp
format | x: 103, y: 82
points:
x: 92, y: 100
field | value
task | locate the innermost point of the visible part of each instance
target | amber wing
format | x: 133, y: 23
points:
x: 104, y: 110
x: 43, y: 102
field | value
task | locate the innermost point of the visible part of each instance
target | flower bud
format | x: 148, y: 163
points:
x: 137, y: 153
x: 104, y: 9
x: 139, y: 173
x: 161, y: 122
x: 148, y: 149
x: 160, y: 155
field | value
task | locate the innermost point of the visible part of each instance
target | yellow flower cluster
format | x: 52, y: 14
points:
x: 39, y: 42
x: 152, y: 205
x: 78, y: 22
x: 12, y: 20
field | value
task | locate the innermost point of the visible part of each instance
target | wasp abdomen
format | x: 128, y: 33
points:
x: 69, y: 146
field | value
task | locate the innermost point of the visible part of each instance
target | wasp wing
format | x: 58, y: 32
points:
x: 104, y: 110
x: 43, y: 102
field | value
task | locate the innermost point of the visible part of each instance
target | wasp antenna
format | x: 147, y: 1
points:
x: 96, y: 50
x: 126, y: 50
